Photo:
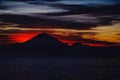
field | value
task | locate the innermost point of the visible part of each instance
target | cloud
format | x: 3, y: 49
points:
x: 16, y: 7
x: 117, y: 34
x: 85, y: 20
x: 52, y: 0
x: 82, y: 26
x: 5, y: 40
x: 84, y: 41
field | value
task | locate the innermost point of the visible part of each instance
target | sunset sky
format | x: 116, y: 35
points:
x: 89, y: 22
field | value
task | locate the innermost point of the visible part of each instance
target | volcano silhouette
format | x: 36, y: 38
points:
x: 44, y: 40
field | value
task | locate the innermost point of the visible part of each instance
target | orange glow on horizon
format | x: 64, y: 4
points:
x: 20, y: 38
x: 95, y: 45
x: 69, y: 43
x: 23, y: 37
x: 102, y: 36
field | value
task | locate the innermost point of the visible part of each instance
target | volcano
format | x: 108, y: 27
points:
x: 42, y: 44
x: 44, y: 40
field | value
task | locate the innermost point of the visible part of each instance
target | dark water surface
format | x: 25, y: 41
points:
x: 59, y: 68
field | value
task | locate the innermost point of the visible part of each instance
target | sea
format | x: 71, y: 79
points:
x: 59, y: 68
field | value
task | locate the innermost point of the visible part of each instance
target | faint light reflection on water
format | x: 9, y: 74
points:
x: 59, y: 69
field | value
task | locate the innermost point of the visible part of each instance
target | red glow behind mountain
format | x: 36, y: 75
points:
x: 38, y: 39
x: 44, y: 40
x: 21, y: 37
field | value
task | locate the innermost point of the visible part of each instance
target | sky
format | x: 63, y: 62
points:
x: 89, y: 22
x: 102, y: 2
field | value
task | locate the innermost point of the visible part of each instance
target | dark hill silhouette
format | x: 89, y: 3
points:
x: 44, y: 44
x: 44, y: 40
x: 79, y: 49
x: 77, y: 45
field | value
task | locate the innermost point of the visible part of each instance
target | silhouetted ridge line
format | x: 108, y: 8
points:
x: 44, y: 40
x: 77, y: 44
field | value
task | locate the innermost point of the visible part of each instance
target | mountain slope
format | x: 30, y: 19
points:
x: 44, y: 40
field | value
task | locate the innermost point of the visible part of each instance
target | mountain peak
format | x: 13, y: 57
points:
x: 77, y: 45
x: 44, y: 40
x: 43, y: 35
